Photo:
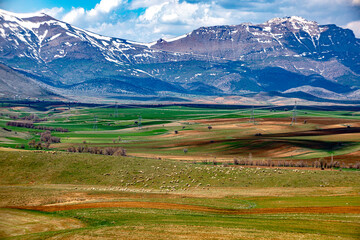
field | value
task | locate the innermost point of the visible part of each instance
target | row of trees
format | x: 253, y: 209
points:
x: 116, y: 151
x: 39, y: 145
x: 32, y: 126
x: 31, y: 117
x: 321, y: 163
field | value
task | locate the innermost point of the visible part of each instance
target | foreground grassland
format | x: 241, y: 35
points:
x: 70, y: 195
x: 159, y: 191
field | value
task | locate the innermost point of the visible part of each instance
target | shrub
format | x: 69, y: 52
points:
x: 109, y: 151
x: 116, y: 151
x: 45, y: 136
x: 120, y: 152
x: 31, y: 143
x: 71, y: 149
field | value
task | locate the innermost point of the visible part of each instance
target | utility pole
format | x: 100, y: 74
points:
x: 116, y: 111
x: 139, y: 122
x: 95, y: 124
x: 252, y: 118
x: 293, y: 119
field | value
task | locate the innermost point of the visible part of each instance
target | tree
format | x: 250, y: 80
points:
x: 322, y: 163
x: 31, y: 143
x: 45, y: 136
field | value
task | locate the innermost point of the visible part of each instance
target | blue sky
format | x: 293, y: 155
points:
x: 149, y: 20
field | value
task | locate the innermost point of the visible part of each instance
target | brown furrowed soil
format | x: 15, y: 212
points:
x: 167, y: 206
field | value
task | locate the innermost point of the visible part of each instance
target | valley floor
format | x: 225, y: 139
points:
x: 189, y: 173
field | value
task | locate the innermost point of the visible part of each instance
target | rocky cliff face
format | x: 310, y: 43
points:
x: 292, y: 43
x: 281, y: 54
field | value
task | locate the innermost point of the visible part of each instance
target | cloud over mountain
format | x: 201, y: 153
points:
x: 156, y: 19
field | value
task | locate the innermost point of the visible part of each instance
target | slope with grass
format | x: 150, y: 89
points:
x: 74, y: 195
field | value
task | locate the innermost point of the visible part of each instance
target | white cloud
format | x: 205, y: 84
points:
x: 172, y: 18
x: 355, y: 27
x: 149, y: 20
x: 74, y: 15
x: 86, y: 18
x: 135, y: 4
x: 105, y: 6
x: 173, y: 12
x: 55, y: 12
x: 163, y: 19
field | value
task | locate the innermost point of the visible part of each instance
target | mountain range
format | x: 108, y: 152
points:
x: 290, y: 57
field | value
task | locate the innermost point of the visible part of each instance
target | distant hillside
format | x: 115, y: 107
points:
x: 15, y: 85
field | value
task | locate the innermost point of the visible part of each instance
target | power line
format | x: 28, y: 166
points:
x: 293, y: 119
x: 116, y: 110
x: 252, y: 118
x: 95, y: 127
x: 139, y: 122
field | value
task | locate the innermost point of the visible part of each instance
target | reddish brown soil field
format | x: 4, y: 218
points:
x: 300, y: 120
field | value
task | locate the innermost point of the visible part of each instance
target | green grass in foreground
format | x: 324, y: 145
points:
x: 161, y: 224
x: 20, y: 168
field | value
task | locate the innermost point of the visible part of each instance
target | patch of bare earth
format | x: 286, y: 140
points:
x: 11, y: 149
x: 169, y: 232
x: 14, y: 222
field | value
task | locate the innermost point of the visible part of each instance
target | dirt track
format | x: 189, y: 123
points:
x: 159, y: 205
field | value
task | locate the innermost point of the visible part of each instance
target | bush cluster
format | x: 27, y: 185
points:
x: 45, y: 140
x: 321, y: 163
x: 116, y: 151
x: 31, y: 125
x: 31, y: 117
x: 46, y: 137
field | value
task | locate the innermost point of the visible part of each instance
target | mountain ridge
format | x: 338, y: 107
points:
x: 223, y: 60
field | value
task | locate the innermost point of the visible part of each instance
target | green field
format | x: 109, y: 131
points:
x: 159, y: 191
x: 149, y: 132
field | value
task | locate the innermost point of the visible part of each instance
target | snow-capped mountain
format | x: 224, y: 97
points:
x: 278, y: 55
x: 291, y: 43
x: 45, y: 41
